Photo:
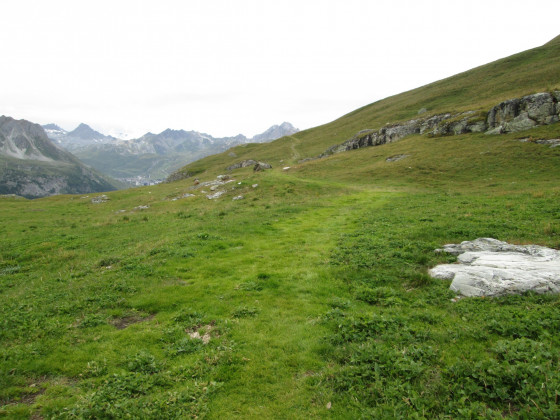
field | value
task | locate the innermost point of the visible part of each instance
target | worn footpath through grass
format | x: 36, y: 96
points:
x: 281, y: 344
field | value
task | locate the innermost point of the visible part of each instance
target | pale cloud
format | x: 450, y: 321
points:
x: 228, y: 67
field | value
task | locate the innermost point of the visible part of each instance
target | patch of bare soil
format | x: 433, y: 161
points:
x: 126, y: 321
x: 202, y: 333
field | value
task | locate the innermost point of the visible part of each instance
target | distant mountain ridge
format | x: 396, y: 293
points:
x: 33, y: 166
x: 85, y: 132
x: 275, y: 132
x: 24, y: 140
x: 82, y: 136
x: 152, y: 156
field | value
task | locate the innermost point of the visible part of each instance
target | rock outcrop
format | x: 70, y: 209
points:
x: 488, y: 267
x: 242, y: 164
x: 257, y: 165
x: 437, y: 125
x: 524, y: 113
x: 261, y: 166
x: 508, y: 116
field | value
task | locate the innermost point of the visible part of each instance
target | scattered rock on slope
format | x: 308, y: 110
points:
x: 242, y: 164
x: 509, y: 116
x: 257, y: 165
x: 396, y: 158
x: 215, y: 195
x: 261, y: 166
x: 488, y: 267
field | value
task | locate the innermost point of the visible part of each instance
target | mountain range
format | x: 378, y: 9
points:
x: 32, y: 166
x: 152, y: 156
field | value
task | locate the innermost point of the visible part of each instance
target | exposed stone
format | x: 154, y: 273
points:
x: 512, y: 115
x: 186, y: 195
x: 477, y: 127
x: 261, y: 166
x: 488, y: 267
x: 286, y: 168
x: 242, y: 164
x: 523, y: 113
x: 100, y: 199
x: 550, y: 142
x: 436, y: 125
x: 396, y: 158
x: 141, y: 207
x: 255, y: 185
x: 239, y: 197
x: 212, y: 184
x: 217, y: 194
x: 223, y: 177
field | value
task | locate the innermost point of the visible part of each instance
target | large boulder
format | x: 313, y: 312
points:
x: 261, y: 166
x: 488, y: 267
x: 242, y: 164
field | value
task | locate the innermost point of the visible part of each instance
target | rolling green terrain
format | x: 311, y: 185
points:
x: 309, y: 297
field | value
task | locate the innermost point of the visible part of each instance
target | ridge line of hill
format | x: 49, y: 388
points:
x: 513, y: 115
x: 479, y: 89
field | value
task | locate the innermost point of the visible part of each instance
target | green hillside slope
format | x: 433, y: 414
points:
x: 532, y: 71
x: 299, y: 293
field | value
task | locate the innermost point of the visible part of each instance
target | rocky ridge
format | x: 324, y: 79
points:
x: 79, y: 138
x: 152, y: 156
x: 509, y: 116
x: 33, y: 166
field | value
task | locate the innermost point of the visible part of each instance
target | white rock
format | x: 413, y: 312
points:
x: 215, y: 195
x: 239, y: 197
x: 186, y: 195
x: 100, y: 199
x: 488, y: 267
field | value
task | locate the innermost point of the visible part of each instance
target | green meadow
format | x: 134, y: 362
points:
x: 308, y: 298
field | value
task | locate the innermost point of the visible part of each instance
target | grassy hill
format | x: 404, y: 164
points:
x: 309, y: 297
x: 532, y: 71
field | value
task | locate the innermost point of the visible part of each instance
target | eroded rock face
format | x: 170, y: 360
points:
x: 261, y: 166
x: 508, y: 116
x: 437, y: 125
x: 257, y: 165
x: 242, y: 164
x: 523, y: 113
x: 488, y: 267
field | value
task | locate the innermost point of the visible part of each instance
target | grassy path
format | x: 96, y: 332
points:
x: 295, y: 154
x: 281, y: 345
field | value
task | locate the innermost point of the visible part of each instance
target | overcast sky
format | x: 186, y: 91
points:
x: 226, y: 67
